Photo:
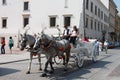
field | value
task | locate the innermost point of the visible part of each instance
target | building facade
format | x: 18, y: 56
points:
x: 90, y: 16
x: 97, y: 16
x: 112, y: 13
x: 117, y: 27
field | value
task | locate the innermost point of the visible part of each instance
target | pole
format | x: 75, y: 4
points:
x: 84, y: 19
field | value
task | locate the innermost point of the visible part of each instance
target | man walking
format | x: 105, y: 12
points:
x: 3, y: 46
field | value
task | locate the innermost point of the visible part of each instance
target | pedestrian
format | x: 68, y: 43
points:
x: 3, y: 46
x: 106, y: 46
x: 66, y: 33
x: 97, y: 46
x: 11, y: 44
x: 73, y: 36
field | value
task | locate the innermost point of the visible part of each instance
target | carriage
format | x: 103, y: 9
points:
x: 79, y: 54
x: 52, y: 48
x: 84, y: 49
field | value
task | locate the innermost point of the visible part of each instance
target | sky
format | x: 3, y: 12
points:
x: 117, y: 2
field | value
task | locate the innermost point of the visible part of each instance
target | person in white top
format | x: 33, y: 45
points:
x: 74, y: 35
x: 106, y: 46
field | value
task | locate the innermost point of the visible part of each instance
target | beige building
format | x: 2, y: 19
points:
x: 117, y: 27
x: 112, y: 13
x: 96, y: 19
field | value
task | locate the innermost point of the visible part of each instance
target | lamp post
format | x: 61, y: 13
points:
x: 103, y: 38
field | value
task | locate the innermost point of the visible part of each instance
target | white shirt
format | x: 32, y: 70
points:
x: 105, y: 43
x: 65, y: 32
x: 73, y: 33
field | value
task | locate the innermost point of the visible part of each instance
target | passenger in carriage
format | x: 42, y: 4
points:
x: 73, y: 36
x: 66, y: 33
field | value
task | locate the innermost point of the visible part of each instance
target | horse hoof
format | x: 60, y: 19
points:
x: 65, y: 69
x: 63, y: 63
x: 44, y: 75
x: 46, y: 71
x: 28, y: 72
x: 40, y: 69
x: 52, y: 62
x: 51, y: 72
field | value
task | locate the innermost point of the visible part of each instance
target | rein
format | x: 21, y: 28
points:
x: 48, y: 46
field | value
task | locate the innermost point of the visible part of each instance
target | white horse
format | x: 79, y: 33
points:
x: 29, y: 40
x: 54, y: 48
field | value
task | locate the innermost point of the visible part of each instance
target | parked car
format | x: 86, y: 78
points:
x: 117, y: 44
x: 111, y: 45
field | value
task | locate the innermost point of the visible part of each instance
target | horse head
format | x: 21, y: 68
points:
x: 23, y: 42
x: 27, y: 40
x: 44, y: 40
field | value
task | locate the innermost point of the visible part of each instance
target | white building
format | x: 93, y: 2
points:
x: 15, y: 14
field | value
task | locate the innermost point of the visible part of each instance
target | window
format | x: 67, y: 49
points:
x: 95, y: 24
x: 52, y: 21
x: 86, y: 23
x: 26, y: 5
x: 67, y: 21
x: 87, y: 4
x: 66, y: 3
x: 91, y: 6
x: 105, y: 17
x: 98, y: 26
x: 99, y: 12
x: 95, y: 10
x: 25, y: 21
x: 4, y: 23
x: 101, y: 26
x: 91, y: 24
x: 4, y: 2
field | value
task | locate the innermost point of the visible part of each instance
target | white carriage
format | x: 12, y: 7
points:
x: 84, y: 49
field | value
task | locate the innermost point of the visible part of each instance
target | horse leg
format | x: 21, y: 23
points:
x: 52, y: 69
x: 29, y: 67
x: 49, y: 60
x: 39, y: 59
x: 67, y: 59
x: 63, y: 56
x: 45, y: 69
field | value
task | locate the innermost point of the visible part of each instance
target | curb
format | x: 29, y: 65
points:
x: 17, y: 61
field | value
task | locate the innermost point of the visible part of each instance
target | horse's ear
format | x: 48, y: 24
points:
x: 21, y: 35
x: 25, y: 34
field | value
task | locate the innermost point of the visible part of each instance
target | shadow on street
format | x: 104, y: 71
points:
x: 6, y: 71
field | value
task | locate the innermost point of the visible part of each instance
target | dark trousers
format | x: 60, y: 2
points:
x: 3, y: 49
x: 66, y: 37
x: 73, y: 40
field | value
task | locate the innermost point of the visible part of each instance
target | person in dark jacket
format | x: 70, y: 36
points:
x: 66, y: 33
x: 3, y: 46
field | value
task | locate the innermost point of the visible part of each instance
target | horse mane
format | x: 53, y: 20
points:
x: 32, y: 38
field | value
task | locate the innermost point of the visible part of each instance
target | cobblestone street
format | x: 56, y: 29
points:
x: 14, y: 67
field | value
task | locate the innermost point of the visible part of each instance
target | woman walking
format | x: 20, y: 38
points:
x: 11, y: 43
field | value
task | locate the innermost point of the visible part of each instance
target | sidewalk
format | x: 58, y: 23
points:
x: 16, y: 56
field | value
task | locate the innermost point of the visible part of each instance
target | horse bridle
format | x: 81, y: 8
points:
x: 46, y: 46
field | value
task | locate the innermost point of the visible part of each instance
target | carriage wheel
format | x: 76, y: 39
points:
x: 58, y: 59
x: 79, y: 60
